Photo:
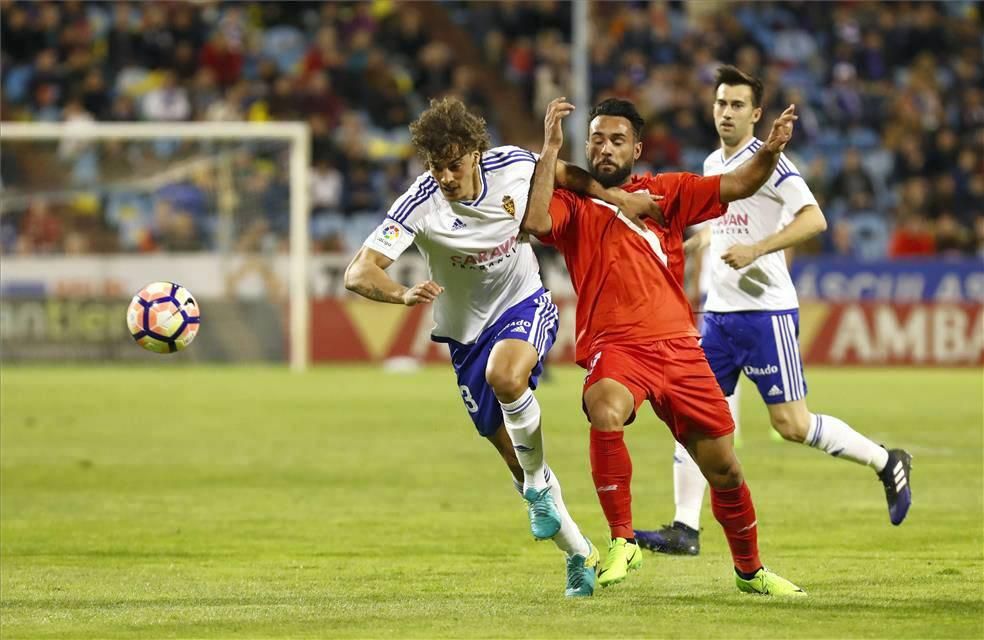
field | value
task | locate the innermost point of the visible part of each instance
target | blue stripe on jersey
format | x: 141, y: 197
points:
x: 425, y: 191
x: 485, y: 188
x: 496, y: 163
x: 741, y: 152
x: 784, y: 176
x: 783, y: 167
x: 509, y: 161
x: 497, y: 156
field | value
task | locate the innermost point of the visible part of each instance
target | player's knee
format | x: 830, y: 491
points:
x: 724, y: 475
x: 605, y: 416
x: 507, y: 385
x: 790, y: 427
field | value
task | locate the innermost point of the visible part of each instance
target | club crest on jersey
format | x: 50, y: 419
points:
x: 509, y: 205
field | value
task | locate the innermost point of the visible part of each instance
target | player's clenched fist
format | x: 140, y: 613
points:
x: 740, y: 256
x: 553, y: 132
x: 643, y: 205
x: 423, y: 292
x: 782, y: 130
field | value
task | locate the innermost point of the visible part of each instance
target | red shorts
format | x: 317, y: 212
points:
x: 674, y: 376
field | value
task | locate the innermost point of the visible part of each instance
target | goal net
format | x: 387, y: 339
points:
x: 92, y: 212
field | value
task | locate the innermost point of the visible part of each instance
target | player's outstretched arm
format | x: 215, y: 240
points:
x: 537, y: 219
x: 809, y: 221
x: 366, y: 275
x: 633, y: 205
x: 750, y: 176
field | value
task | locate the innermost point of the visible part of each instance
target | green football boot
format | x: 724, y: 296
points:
x: 544, y: 517
x: 766, y: 583
x: 581, y: 573
x: 622, y: 557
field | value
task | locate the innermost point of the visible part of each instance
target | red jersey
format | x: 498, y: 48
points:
x: 629, y: 280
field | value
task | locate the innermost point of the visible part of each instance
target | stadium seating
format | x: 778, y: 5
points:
x: 868, y: 78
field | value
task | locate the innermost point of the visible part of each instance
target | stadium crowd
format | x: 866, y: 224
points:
x: 889, y: 96
x: 890, y: 101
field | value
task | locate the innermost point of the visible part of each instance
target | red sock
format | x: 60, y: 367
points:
x: 611, y: 468
x: 733, y: 508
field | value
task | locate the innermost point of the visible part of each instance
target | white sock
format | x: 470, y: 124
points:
x: 518, y: 486
x: 837, y: 438
x: 734, y: 406
x: 569, y: 539
x: 522, y: 419
x: 688, y: 488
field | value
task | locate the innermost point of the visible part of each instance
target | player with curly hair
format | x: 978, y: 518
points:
x: 490, y: 307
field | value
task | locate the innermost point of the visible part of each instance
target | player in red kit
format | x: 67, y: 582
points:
x: 635, y: 331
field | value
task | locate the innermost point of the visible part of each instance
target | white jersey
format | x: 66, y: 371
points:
x: 475, y: 250
x: 764, y: 285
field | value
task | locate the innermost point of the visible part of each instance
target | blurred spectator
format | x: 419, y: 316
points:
x: 40, y: 229
x: 18, y: 40
x: 912, y: 237
x: 95, y: 95
x: 230, y: 107
x: 360, y: 193
x: 324, y: 54
x: 326, y: 187
x: 154, y: 42
x: 853, y: 183
x: 403, y: 34
x: 225, y: 61
x: 168, y: 102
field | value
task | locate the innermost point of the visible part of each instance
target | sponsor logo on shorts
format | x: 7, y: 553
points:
x: 767, y: 370
x: 517, y: 326
x: 775, y: 391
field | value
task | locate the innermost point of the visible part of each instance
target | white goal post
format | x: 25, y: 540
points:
x: 296, y: 134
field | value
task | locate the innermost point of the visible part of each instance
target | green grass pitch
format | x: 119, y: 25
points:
x: 207, y: 502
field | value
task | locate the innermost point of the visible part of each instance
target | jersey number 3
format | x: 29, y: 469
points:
x: 470, y: 403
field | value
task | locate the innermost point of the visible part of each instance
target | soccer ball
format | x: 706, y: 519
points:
x: 163, y: 317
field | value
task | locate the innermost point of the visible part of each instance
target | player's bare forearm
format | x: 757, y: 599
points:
x: 693, y: 245
x: 693, y: 284
x: 537, y: 219
x: 744, y: 181
x: 809, y: 221
x: 369, y: 279
x: 634, y: 205
x: 574, y: 178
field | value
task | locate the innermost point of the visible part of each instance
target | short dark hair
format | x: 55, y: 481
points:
x: 620, y: 109
x: 447, y: 130
x: 733, y: 76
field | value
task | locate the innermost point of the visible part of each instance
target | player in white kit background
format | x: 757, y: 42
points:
x: 751, y: 319
x: 490, y: 306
